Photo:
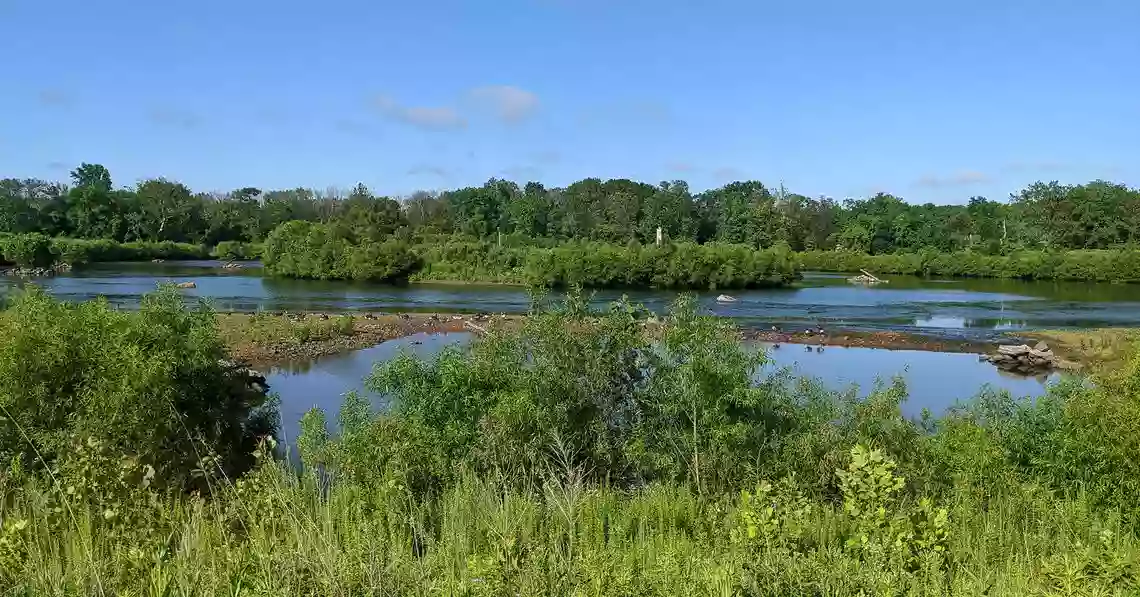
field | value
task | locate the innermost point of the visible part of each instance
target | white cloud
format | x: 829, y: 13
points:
x: 510, y: 104
x: 431, y: 118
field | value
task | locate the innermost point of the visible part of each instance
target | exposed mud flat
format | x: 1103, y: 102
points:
x: 862, y: 339
x: 283, y: 345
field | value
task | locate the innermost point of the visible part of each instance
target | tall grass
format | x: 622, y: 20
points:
x: 279, y: 533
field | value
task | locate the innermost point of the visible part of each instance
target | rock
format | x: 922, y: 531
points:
x: 1013, y: 351
x: 157, y: 260
x: 1041, y: 347
x: 186, y: 285
x: 1038, y: 354
x: 724, y: 298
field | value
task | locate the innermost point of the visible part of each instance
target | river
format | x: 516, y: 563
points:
x: 957, y: 309
x: 967, y: 309
x: 935, y: 380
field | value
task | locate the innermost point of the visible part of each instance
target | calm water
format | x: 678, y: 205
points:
x: 978, y: 309
x: 935, y: 380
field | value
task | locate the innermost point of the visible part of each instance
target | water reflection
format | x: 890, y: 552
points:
x: 969, y: 309
x: 935, y: 380
x: 962, y: 323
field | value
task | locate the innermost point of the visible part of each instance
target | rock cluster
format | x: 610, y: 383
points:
x: 231, y: 265
x: 1025, y: 359
x: 37, y: 272
x: 244, y: 376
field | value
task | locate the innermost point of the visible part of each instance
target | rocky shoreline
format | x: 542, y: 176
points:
x: 859, y: 339
x: 36, y: 272
x: 1027, y: 360
x: 370, y: 329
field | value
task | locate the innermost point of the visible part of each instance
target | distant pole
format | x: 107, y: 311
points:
x: 660, y: 236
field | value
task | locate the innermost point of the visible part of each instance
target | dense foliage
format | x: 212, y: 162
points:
x: 318, y: 251
x: 1043, y: 216
x: 1089, y: 265
x: 36, y: 250
x: 150, y: 384
x: 582, y: 454
x: 680, y: 265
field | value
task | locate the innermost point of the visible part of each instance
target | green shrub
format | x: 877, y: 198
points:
x: 586, y: 453
x: 27, y: 250
x: 309, y: 250
x: 230, y: 250
x: 1083, y: 265
x: 151, y: 384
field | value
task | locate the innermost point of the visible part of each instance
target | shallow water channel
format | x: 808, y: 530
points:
x: 970, y: 309
x: 935, y: 380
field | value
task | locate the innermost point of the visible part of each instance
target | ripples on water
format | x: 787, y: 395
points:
x: 971, y: 309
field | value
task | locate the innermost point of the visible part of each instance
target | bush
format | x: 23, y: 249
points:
x: 27, y: 250
x: 151, y: 384
x: 630, y: 408
x: 1084, y: 265
x: 603, y: 265
x: 308, y: 250
x: 585, y: 453
x: 229, y: 250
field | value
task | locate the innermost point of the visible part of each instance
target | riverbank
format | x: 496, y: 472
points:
x: 265, y: 340
x: 1093, y: 265
x: 1092, y: 348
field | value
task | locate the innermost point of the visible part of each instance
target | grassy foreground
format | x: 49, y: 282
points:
x: 569, y: 455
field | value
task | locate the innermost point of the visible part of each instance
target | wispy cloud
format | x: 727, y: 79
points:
x: 354, y: 127
x: 428, y: 118
x: 1018, y: 166
x: 55, y: 98
x: 728, y: 173
x: 640, y: 111
x: 174, y: 117
x: 959, y: 179
x: 680, y: 167
x: 510, y: 104
x: 547, y: 157
x: 429, y: 170
x: 522, y: 173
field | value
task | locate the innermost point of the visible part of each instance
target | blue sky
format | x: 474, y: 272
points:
x: 934, y: 101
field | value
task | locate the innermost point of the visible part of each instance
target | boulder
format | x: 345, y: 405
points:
x: 1041, y: 347
x: 1014, y: 351
x: 1041, y: 354
x: 724, y: 298
x: 186, y: 285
